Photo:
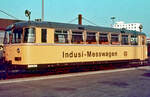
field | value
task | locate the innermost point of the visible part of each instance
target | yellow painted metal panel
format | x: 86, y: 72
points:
x: 38, y: 35
x: 51, y: 54
x: 50, y: 35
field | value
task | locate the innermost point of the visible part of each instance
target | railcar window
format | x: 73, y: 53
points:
x: 61, y: 37
x: 10, y: 37
x: 29, y: 35
x: 91, y: 38
x: 134, y: 40
x: 77, y: 38
x: 43, y: 35
x: 6, y: 37
x: 143, y: 41
x: 114, y: 39
x: 14, y: 36
x: 103, y: 39
x: 17, y: 35
x: 124, y: 40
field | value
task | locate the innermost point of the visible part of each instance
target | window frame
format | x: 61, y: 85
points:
x: 23, y: 40
x: 64, y: 36
x: 43, y: 39
x: 143, y: 40
x: 127, y: 42
x: 115, y: 42
x: 137, y: 42
x: 104, y: 42
x: 15, y: 35
x: 80, y: 36
x: 93, y: 37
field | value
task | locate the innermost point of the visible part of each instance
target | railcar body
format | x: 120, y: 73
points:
x: 35, y: 44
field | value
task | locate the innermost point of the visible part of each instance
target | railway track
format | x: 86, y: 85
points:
x: 12, y: 74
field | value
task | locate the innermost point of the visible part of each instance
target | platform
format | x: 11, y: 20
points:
x: 133, y: 82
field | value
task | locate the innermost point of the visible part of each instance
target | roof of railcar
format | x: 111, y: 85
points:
x: 73, y: 26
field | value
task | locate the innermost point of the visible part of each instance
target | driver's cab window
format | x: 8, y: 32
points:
x: 10, y: 38
x: 17, y: 35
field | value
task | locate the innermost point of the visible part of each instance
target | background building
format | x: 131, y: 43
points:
x: 3, y: 24
x: 129, y: 26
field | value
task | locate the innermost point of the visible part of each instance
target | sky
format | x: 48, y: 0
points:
x: 97, y: 11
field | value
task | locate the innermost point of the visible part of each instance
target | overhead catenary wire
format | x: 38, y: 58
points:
x: 8, y: 14
x: 89, y: 21
x: 73, y: 20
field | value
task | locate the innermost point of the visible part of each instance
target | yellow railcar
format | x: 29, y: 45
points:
x: 35, y: 44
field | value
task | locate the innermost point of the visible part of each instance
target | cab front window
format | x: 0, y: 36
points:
x: 13, y: 36
x: 17, y: 36
x: 6, y: 37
